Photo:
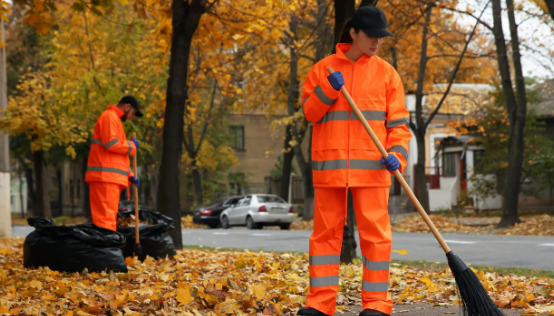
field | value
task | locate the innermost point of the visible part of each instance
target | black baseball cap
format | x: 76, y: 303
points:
x: 371, y: 20
x: 133, y: 102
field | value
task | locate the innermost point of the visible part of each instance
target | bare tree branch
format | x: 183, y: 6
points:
x: 205, y: 128
x: 439, y: 105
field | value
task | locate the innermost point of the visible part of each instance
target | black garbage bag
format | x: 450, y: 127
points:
x: 154, y: 240
x: 73, y: 248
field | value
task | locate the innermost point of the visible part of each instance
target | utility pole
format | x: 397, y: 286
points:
x: 5, y: 209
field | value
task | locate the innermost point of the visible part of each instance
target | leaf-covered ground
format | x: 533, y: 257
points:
x: 208, y: 282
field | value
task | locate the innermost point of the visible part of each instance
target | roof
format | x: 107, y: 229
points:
x: 457, y: 140
x: 545, y: 108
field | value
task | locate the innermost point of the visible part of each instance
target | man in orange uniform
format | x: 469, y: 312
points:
x: 344, y: 157
x: 108, y: 170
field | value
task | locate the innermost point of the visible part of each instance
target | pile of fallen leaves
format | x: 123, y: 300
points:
x: 200, y: 283
x: 187, y: 222
x: 415, y: 224
x: 541, y: 225
x: 303, y: 225
x: 124, y: 222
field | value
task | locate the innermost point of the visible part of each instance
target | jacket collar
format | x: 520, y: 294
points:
x: 342, y: 48
x: 116, y: 110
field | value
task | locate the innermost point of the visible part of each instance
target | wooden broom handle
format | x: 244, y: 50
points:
x: 397, y: 173
x: 136, y: 195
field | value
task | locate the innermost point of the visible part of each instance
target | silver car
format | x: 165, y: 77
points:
x: 257, y: 210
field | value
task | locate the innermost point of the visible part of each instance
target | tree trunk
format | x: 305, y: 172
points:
x: 420, y: 127
x: 550, y: 6
x: 86, y: 192
x: 288, y: 156
x: 60, y: 190
x: 185, y: 19
x: 309, y: 190
x: 421, y: 183
x: 23, y: 205
x: 517, y: 111
x: 348, y: 252
x: 43, y: 200
x: 344, y: 9
x: 148, y: 188
x: 197, y: 179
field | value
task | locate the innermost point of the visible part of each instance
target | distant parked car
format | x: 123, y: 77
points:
x: 209, y: 215
x: 130, y: 206
x: 258, y: 210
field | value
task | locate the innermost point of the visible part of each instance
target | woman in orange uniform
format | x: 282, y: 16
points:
x: 344, y: 157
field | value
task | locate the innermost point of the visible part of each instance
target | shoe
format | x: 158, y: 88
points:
x: 372, y: 312
x: 308, y: 311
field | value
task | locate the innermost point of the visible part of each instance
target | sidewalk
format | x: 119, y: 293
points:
x: 425, y: 310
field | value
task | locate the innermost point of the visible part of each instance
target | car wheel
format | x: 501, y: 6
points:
x: 225, y: 222
x: 285, y: 226
x: 250, y: 223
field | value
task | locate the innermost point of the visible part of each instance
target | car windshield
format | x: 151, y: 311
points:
x: 270, y: 199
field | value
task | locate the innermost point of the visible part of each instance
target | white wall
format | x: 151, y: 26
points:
x: 444, y: 197
x: 490, y: 203
x: 16, y: 195
x: 5, y: 214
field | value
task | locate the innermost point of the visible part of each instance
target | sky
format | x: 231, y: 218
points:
x: 537, y: 60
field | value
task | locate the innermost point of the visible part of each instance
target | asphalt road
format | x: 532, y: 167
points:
x: 501, y: 251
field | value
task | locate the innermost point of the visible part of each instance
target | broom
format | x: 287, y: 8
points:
x: 138, y: 249
x: 475, y: 300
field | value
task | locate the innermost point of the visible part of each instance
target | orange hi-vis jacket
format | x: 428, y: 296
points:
x: 343, y: 154
x: 108, y: 160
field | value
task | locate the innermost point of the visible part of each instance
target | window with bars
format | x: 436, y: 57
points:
x: 449, y: 164
x: 478, y: 156
x: 237, y: 136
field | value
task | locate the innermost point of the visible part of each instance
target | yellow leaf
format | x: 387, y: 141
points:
x: 36, y: 284
x: 49, y: 297
x: 402, y: 252
x: 183, y: 296
x: 259, y: 291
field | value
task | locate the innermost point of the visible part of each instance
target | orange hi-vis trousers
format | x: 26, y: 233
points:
x: 104, y: 203
x: 372, y: 217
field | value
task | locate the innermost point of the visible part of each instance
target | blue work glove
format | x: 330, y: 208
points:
x: 336, y: 80
x: 391, y: 163
x: 136, y: 142
x: 134, y: 180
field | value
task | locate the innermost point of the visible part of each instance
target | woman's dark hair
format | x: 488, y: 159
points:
x: 345, y: 35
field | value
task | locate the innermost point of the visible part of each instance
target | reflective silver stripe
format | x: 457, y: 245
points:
x: 334, y: 116
x: 106, y: 169
x: 398, y: 122
x: 97, y: 142
x: 305, y: 99
x: 375, y: 286
x: 329, y: 164
x: 326, y: 259
x: 375, y: 265
x: 130, y: 148
x: 366, y: 164
x: 372, y: 115
x: 111, y: 143
x: 324, y: 281
x: 323, y: 97
x: 399, y: 149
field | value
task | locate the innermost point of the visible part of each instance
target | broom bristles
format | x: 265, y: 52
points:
x: 475, y: 299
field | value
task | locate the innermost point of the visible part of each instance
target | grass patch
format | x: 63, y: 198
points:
x: 422, y: 265
x: 526, y: 272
